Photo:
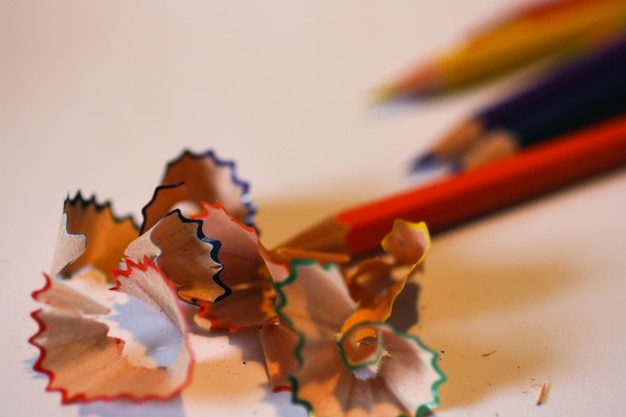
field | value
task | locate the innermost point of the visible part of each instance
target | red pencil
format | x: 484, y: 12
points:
x: 469, y: 195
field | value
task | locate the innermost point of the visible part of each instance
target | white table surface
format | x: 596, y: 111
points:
x: 98, y: 95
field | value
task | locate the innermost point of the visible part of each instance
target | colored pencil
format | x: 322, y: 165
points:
x: 591, y: 102
x: 472, y: 194
x: 511, y: 45
x: 562, y: 81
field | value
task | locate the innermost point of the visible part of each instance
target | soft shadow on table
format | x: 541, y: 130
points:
x: 239, y: 376
x: 280, y: 220
x: 405, y: 313
x: 225, y: 375
x: 464, y: 314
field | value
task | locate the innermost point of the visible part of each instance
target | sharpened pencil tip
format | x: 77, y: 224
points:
x: 383, y: 94
x: 425, y: 162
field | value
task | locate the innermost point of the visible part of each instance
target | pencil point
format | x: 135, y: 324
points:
x: 425, y: 162
x: 383, y: 94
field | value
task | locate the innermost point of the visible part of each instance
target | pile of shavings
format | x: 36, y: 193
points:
x: 321, y: 318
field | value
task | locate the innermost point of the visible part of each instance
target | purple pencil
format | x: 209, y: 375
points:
x: 467, y: 133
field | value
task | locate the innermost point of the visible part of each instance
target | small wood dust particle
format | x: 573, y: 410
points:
x: 484, y: 355
x: 543, y: 393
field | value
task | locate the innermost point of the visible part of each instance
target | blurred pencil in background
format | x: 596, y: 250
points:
x: 546, y: 30
x: 469, y: 195
x: 571, y: 125
x: 582, y: 92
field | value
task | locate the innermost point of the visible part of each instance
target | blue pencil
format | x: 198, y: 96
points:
x: 553, y: 105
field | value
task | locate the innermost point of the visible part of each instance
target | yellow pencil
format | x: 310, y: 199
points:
x: 515, y: 43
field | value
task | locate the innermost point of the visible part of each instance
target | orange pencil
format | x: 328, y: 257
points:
x: 475, y: 193
x: 562, y: 28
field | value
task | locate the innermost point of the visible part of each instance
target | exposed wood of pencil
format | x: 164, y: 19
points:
x: 494, y: 146
x: 459, y: 139
x: 452, y: 145
x: 475, y: 193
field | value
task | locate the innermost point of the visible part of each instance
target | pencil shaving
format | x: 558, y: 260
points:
x: 107, y: 234
x: 200, y: 252
x: 366, y: 364
x: 543, y: 393
x: 73, y: 341
x: 200, y: 178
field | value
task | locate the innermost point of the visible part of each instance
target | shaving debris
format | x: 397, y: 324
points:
x: 543, y: 393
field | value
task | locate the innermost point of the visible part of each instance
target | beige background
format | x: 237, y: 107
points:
x: 99, y: 95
